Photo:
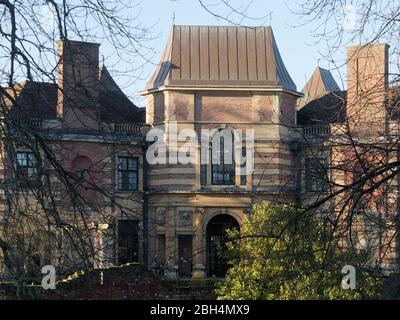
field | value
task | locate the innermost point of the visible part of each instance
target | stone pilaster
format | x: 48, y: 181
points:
x: 199, y: 257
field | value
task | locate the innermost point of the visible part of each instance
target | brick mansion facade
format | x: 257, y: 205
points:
x: 172, y: 216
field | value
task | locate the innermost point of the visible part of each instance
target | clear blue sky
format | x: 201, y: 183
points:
x: 296, y: 45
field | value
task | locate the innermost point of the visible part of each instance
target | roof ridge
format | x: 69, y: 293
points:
x: 219, y: 26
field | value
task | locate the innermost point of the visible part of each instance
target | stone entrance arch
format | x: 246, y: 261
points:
x: 216, y: 243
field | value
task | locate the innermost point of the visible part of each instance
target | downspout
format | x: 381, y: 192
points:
x: 145, y: 208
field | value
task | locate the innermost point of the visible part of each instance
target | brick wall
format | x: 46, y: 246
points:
x: 223, y: 107
x: 287, y: 115
x: 78, y: 81
x: 367, y: 72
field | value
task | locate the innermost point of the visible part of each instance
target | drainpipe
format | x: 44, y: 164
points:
x: 145, y: 209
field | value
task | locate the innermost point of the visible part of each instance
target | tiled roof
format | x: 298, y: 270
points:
x: 225, y: 56
x: 320, y: 83
x: 114, y: 105
x: 33, y: 99
x: 330, y: 108
x: 39, y: 100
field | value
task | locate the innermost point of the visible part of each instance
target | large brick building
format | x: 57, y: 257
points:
x: 210, y: 78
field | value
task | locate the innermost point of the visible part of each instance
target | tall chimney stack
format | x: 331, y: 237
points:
x: 78, y: 80
x: 367, y: 83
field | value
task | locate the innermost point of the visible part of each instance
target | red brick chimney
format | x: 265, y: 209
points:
x: 78, y: 80
x: 367, y: 82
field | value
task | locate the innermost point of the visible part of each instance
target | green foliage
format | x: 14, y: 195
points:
x: 286, y: 253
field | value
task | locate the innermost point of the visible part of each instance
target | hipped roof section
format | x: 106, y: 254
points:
x: 320, y: 83
x: 39, y: 100
x: 221, y: 56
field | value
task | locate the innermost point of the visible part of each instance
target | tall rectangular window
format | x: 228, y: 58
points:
x: 316, y: 175
x: 204, y: 159
x: 127, y: 173
x: 26, y: 166
x: 223, y: 173
x: 128, y: 241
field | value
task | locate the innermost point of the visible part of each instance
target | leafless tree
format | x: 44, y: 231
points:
x: 49, y: 213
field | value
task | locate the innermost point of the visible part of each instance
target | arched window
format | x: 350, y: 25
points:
x: 222, y: 158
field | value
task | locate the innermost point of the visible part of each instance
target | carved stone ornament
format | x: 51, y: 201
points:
x: 185, y: 218
x: 160, y: 212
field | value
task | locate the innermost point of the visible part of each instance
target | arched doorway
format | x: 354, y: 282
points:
x: 216, y: 244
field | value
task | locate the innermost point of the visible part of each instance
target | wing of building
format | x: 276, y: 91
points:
x: 90, y: 169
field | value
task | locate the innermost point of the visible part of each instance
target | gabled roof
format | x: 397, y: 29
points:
x: 320, y: 83
x: 221, y: 56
